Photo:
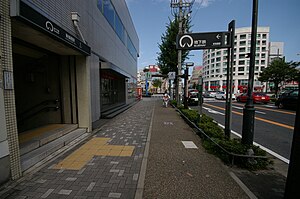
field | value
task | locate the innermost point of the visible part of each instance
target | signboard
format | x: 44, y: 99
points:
x: 8, y: 80
x: 171, y: 75
x: 209, y: 40
x: 148, y: 75
x: 34, y: 17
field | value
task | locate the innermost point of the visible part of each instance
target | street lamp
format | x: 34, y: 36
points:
x: 249, y: 110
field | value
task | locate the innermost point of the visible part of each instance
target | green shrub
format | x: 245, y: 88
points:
x: 173, y: 102
x: 192, y: 115
x: 210, y: 127
x: 233, y: 146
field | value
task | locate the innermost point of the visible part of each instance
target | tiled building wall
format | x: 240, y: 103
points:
x: 9, y: 96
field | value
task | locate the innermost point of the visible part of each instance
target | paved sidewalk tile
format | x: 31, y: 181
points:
x: 104, y: 166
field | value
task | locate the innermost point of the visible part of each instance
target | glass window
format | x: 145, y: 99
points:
x: 263, y: 55
x: 241, y: 68
x: 243, y: 36
x: 131, y: 48
x: 218, y: 59
x: 242, y: 43
x: 119, y: 28
x: 242, y: 62
x: 100, y: 5
x: 264, y: 42
x: 242, y: 49
x: 242, y: 56
x: 109, y: 12
x: 264, y: 36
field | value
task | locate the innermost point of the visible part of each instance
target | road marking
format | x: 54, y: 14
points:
x: 267, y: 109
x: 240, y: 108
x: 189, y: 145
x: 257, y: 118
x: 213, y: 111
x: 262, y: 147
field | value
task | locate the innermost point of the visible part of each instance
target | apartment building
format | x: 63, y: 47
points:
x: 215, y: 61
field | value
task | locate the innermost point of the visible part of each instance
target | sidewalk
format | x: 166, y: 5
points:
x: 138, y: 154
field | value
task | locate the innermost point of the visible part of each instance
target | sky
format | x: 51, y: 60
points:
x: 151, y: 17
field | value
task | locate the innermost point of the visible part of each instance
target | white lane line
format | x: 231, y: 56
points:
x: 270, y: 106
x: 237, y: 107
x: 213, y: 111
x: 263, y: 113
x: 240, y: 108
x: 262, y: 147
x: 189, y: 145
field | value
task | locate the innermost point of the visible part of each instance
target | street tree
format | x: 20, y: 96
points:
x: 156, y: 83
x: 168, y: 55
x: 280, y: 72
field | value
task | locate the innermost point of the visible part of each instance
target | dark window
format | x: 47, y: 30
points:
x: 119, y: 28
x: 109, y: 12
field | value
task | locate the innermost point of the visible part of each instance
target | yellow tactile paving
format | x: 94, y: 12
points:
x: 94, y: 147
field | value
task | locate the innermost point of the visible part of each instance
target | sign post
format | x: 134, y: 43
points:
x: 231, y: 27
x: 200, y: 90
x: 208, y: 40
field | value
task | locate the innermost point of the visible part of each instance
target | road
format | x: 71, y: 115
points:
x: 273, y: 127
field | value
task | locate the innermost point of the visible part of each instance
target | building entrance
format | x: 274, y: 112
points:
x: 37, y: 88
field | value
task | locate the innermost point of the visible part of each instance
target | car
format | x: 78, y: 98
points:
x: 288, y: 99
x: 222, y: 95
x: 193, y: 97
x: 258, y: 97
x: 211, y: 93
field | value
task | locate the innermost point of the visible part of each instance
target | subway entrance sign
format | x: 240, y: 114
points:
x: 208, y: 40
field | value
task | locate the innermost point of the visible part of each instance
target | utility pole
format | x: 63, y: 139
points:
x: 182, y: 7
x: 178, y: 98
x: 249, y: 110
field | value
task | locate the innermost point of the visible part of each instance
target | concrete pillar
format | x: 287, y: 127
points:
x: 83, y: 93
x: 9, y: 112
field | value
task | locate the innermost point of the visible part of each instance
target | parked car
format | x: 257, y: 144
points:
x: 193, y: 97
x: 222, y: 95
x: 288, y: 100
x: 257, y: 97
x: 210, y: 94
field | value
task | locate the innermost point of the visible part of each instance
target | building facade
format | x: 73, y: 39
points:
x: 62, y: 64
x: 215, y: 61
x: 194, y: 80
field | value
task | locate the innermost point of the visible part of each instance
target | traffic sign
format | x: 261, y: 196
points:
x: 208, y: 40
x: 171, y: 75
x: 148, y: 75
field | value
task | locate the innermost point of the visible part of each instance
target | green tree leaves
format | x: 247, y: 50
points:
x: 168, y: 55
x: 280, y: 72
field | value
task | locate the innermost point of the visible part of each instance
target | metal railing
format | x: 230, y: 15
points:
x: 43, y: 106
x: 230, y: 154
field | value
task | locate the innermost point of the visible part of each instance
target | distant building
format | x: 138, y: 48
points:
x: 197, y: 71
x: 215, y: 60
x: 275, y: 50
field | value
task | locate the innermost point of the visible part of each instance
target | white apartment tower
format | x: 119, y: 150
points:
x: 215, y: 61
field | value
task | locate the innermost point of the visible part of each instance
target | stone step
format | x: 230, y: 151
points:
x: 31, y: 158
x: 33, y: 139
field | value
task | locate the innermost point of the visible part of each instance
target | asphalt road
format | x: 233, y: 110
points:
x: 273, y: 127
